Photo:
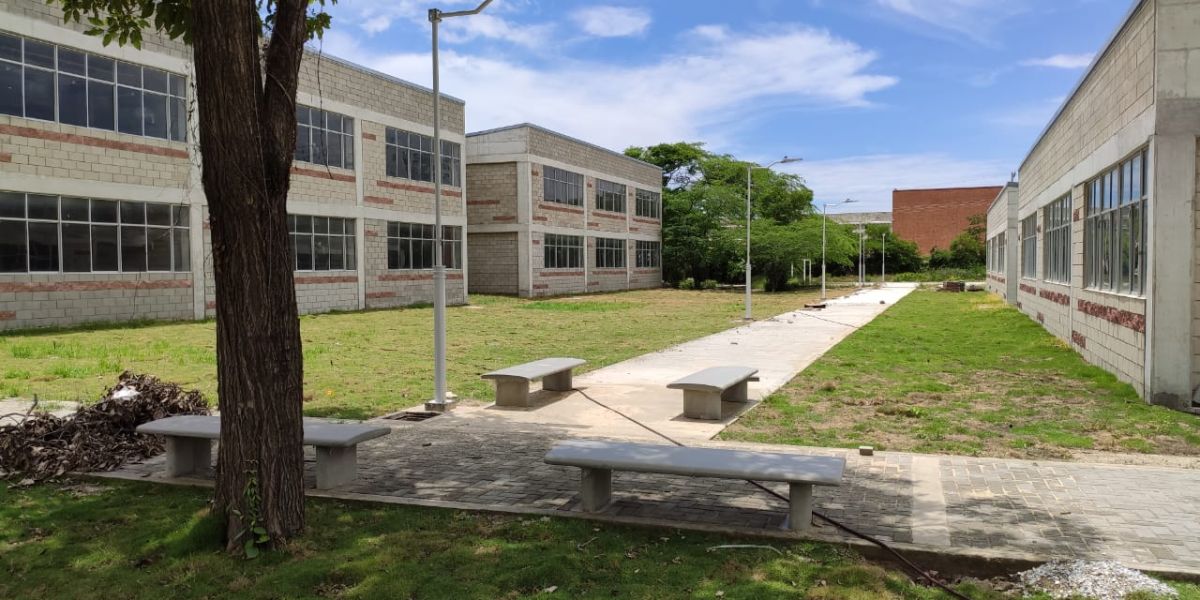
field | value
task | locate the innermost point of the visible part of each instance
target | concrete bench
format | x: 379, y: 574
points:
x: 189, y: 445
x: 599, y: 459
x: 704, y: 390
x: 512, y: 384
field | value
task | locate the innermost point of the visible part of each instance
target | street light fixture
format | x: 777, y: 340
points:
x: 440, y: 403
x: 750, y: 171
x: 824, y: 218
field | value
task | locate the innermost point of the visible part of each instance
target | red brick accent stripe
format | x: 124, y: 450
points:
x: 561, y: 273
x: 541, y: 286
x: 645, y: 220
x: 996, y: 278
x: 608, y: 271
x: 322, y: 174
x: 646, y: 271
x: 541, y: 218
x: 553, y: 207
x: 504, y: 219
x: 1028, y: 289
x: 408, y: 187
x: 87, y: 140
x: 369, y: 136
x: 7, y: 315
x: 377, y: 200
x: 1124, y: 318
x: 590, y: 283
x: 376, y: 295
x: 608, y: 215
x: 593, y: 224
x: 210, y: 305
x: 536, y: 242
x: 5, y: 157
x: 313, y: 279
x: 415, y: 276
x: 90, y: 286
x: 372, y: 233
x: 482, y: 202
x: 1078, y: 339
x: 1055, y: 297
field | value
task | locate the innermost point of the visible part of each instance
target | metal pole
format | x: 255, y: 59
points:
x: 439, y: 269
x: 749, y: 171
x: 883, y: 267
x: 823, y: 218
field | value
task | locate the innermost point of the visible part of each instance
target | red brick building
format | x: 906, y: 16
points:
x: 934, y: 217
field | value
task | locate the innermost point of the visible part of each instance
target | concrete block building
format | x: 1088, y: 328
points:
x: 1099, y: 242
x: 932, y: 218
x: 102, y: 214
x: 549, y: 214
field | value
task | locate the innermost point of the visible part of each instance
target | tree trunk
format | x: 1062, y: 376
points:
x: 247, y: 139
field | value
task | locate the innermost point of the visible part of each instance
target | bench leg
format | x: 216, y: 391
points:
x: 597, y: 489
x: 186, y: 455
x: 512, y: 392
x: 737, y: 393
x: 336, y: 466
x: 701, y: 405
x: 800, y: 503
x: 558, y: 382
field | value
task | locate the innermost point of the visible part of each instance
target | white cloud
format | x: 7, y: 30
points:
x: 870, y: 179
x: 974, y: 19
x: 1061, y: 61
x: 687, y: 96
x: 496, y: 28
x: 1031, y: 116
x: 612, y: 21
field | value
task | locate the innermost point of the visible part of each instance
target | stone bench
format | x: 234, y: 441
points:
x: 704, y: 390
x: 189, y: 445
x: 599, y: 459
x: 512, y: 384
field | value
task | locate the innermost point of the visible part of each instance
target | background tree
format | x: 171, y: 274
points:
x: 775, y: 248
x: 967, y: 250
x: 247, y: 57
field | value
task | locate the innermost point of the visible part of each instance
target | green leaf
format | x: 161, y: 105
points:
x: 260, y: 530
x: 251, y: 549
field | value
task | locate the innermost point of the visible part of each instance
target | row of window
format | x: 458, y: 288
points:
x: 566, y: 252
x: 44, y: 81
x: 60, y: 234
x: 565, y: 187
x: 410, y: 156
x: 1114, y: 229
x: 411, y: 246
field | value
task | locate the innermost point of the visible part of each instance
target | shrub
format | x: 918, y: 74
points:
x: 687, y: 283
x: 708, y: 284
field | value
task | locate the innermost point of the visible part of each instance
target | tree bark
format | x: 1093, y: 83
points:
x: 247, y: 115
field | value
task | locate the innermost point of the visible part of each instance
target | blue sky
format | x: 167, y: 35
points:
x: 873, y: 94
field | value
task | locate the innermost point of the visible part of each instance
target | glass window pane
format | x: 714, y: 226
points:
x: 336, y: 253
x: 333, y: 149
x: 104, y: 211
x: 133, y: 248
x: 39, y: 53
x: 100, y: 67
x: 154, y: 114
x: 158, y: 214
x: 75, y: 209
x: 180, y: 216
x: 1136, y: 178
x: 104, y: 247
x: 304, y: 258
x: 100, y: 105
x: 12, y: 204
x: 303, y: 224
x: 348, y: 151
x: 43, y: 207
x: 72, y: 61
x: 183, y: 250
x: 72, y: 100
x: 10, y: 89
x: 39, y: 94
x: 43, y: 246
x: 10, y: 47
x: 320, y: 224
x: 158, y: 249
x: 76, y: 248
x: 178, y: 120
x: 12, y: 247
x: 154, y: 80
x: 303, y: 151
x: 133, y: 212
x: 128, y: 74
x: 177, y: 86
x: 129, y: 110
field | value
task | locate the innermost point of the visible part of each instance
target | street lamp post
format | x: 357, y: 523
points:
x: 824, y: 218
x: 440, y: 402
x: 750, y: 171
x: 883, y: 266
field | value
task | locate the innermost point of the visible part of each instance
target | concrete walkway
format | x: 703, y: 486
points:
x: 779, y: 347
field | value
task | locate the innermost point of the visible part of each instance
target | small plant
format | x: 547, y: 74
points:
x: 687, y: 283
x: 255, y: 536
x: 708, y: 284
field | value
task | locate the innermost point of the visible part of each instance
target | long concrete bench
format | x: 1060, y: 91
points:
x: 704, y: 390
x: 599, y: 459
x: 512, y: 384
x: 189, y: 445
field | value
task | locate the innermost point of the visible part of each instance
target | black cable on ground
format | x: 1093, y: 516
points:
x: 917, y: 572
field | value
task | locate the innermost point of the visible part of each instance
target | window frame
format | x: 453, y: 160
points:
x: 651, y: 199
x: 609, y: 253
x: 1056, y: 241
x: 348, y: 237
x: 610, y: 196
x: 451, y: 156
x: 567, y: 186
x: 570, y: 247
x: 1029, y: 244
x: 1115, y: 227
x: 648, y: 254
x: 451, y: 244
x: 306, y: 129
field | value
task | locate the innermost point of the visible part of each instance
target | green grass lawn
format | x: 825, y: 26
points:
x: 141, y: 540
x: 364, y: 364
x: 963, y: 374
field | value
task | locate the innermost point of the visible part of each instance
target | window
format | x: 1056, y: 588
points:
x: 996, y: 251
x: 562, y: 186
x: 610, y: 196
x: 1057, y: 240
x: 1114, y: 240
x: 1029, y: 246
x: 610, y: 253
x: 562, y: 251
x: 648, y: 254
x: 324, y: 138
x: 321, y: 243
x: 56, y: 83
x: 410, y: 246
x: 410, y: 156
x: 53, y: 234
x: 648, y: 204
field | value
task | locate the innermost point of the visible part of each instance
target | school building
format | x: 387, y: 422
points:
x: 1098, y: 242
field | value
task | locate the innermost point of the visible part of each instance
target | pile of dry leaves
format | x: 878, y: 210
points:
x: 98, y: 437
